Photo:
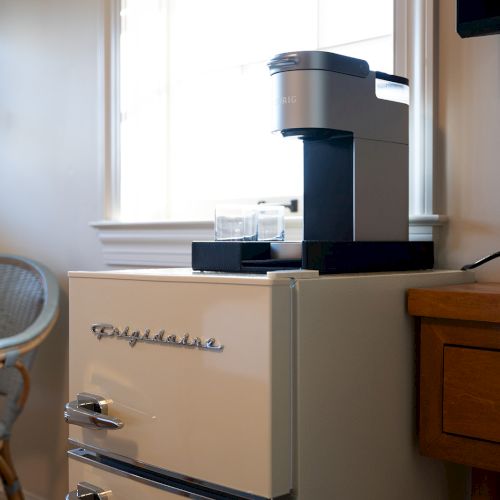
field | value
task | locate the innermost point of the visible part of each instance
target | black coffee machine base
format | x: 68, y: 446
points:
x: 328, y: 257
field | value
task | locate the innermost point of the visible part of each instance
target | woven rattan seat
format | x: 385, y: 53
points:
x: 29, y: 297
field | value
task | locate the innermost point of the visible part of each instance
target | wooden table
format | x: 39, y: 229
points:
x: 459, y: 378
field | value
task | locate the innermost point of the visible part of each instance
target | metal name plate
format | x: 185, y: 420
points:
x: 101, y: 330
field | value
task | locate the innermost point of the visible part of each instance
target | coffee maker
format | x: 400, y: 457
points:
x: 354, y: 126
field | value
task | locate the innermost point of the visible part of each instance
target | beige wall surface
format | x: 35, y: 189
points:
x: 49, y: 191
x: 469, y: 145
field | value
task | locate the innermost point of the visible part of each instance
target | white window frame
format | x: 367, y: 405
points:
x: 169, y: 243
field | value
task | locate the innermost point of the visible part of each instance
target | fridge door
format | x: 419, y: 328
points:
x: 218, y: 415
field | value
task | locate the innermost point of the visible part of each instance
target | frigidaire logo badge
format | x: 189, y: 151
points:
x: 288, y: 99
x: 101, y: 330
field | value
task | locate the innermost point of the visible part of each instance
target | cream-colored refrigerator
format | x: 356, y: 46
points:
x: 216, y: 386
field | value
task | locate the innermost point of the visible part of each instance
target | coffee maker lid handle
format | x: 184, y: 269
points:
x: 320, y: 60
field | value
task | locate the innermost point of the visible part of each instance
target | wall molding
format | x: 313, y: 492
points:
x: 416, y: 57
x: 168, y: 244
x: 150, y: 244
x: 426, y: 227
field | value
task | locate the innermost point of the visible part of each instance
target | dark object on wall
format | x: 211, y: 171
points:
x: 478, y: 17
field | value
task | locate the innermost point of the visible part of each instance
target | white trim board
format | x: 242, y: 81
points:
x: 168, y: 244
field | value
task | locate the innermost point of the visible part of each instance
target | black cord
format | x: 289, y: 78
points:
x: 482, y: 261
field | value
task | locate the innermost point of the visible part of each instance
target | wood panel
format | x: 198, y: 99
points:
x: 459, y: 391
x: 471, y: 395
x: 473, y: 302
x: 433, y: 441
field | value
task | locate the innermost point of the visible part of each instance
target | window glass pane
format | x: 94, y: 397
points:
x: 221, y: 143
x: 196, y: 110
x: 213, y: 34
x: 143, y: 110
x: 377, y: 51
x: 341, y: 22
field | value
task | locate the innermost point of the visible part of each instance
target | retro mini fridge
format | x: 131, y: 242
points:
x: 216, y: 386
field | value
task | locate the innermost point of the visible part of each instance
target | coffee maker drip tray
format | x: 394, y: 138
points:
x: 328, y: 257
x: 244, y: 256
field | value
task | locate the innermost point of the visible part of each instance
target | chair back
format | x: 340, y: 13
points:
x: 29, y: 305
x: 21, y: 296
x: 29, y: 298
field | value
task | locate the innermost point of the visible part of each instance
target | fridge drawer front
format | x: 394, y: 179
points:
x: 220, y: 415
x: 114, y: 485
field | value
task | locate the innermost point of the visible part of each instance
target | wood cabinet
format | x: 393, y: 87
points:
x: 459, y: 375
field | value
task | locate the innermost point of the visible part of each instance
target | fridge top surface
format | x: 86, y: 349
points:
x: 276, y: 278
x: 188, y: 275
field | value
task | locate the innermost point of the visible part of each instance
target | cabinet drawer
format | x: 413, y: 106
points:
x: 471, y: 393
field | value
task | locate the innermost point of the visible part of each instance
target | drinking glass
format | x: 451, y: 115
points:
x: 271, y: 223
x: 236, y: 222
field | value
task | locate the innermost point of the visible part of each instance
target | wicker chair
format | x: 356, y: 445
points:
x: 29, y: 298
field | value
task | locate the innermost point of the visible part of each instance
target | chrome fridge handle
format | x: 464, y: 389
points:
x: 91, y: 411
x: 89, y: 492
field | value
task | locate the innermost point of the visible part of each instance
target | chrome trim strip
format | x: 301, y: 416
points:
x: 216, y: 489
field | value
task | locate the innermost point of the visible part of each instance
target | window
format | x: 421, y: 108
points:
x: 195, y: 96
x: 147, y: 196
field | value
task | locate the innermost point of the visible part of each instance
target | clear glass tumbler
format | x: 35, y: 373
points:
x: 236, y: 222
x: 271, y: 224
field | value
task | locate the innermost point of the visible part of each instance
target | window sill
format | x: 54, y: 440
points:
x: 168, y: 244
x: 165, y: 244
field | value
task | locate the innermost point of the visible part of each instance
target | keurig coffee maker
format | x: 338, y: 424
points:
x: 354, y: 126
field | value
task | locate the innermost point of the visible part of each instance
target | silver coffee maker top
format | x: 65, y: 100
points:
x: 315, y: 59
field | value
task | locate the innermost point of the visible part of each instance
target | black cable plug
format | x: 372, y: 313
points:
x: 482, y: 261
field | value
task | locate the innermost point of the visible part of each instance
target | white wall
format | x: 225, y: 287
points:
x: 49, y: 191
x: 469, y: 145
